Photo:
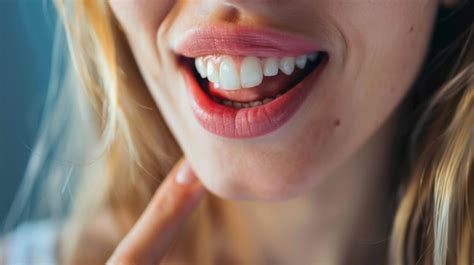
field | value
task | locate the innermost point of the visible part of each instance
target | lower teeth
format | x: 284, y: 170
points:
x: 241, y: 105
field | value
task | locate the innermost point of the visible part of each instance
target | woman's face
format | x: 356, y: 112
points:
x: 369, y: 53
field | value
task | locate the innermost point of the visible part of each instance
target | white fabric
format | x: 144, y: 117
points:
x: 33, y: 244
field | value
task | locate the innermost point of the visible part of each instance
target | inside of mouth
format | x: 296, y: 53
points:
x: 270, y: 89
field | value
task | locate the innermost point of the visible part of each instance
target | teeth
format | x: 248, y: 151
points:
x: 237, y: 104
x: 270, y: 67
x: 251, y: 74
x: 229, y: 77
x: 301, y: 61
x: 201, y: 67
x: 241, y: 105
x: 228, y: 74
x: 287, y: 65
x: 255, y: 103
x: 212, y: 73
x: 252, y: 104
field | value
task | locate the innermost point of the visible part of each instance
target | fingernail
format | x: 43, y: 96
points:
x: 185, y: 175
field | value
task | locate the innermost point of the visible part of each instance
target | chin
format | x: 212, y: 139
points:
x: 256, y: 182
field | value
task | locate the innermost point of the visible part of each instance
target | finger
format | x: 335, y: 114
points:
x: 167, y: 212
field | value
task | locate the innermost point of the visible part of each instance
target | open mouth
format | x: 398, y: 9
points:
x: 247, y: 82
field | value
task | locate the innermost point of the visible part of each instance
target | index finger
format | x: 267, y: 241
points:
x: 167, y: 212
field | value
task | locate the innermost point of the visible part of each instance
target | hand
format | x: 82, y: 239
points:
x: 170, y: 207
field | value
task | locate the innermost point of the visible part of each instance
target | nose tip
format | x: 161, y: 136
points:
x: 233, y: 10
x: 256, y: 6
x: 249, y: 2
x: 252, y: 11
x: 228, y: 13
x: 252, y: 3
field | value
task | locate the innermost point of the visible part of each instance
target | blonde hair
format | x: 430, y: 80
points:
x: 135, y: 149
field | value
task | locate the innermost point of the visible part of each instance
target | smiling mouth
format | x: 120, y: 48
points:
x: 247, y: 82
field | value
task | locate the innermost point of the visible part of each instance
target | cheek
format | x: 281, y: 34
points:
x: 385, y: 52
x: 137, y: 16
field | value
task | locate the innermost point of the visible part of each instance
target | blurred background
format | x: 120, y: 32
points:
x: 26, y: 37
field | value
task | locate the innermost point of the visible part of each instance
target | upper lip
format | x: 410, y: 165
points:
x: 242, y: 41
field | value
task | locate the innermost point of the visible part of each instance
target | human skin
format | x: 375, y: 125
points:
x: 375, y: 49
x: 328, y: 165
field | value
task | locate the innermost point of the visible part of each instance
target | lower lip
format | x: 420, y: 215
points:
x: 247, y: 122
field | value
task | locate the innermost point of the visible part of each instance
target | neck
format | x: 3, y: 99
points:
x: 344, y: 220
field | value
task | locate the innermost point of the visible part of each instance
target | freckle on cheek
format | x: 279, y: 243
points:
x: 337, y: 123
x: 411, y: 29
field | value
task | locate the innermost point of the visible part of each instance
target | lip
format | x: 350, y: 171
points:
x: 242, y: 41
x: 251, y: 122
x: 247, y: 122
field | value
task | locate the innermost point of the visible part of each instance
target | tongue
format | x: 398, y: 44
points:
x: 269, y: 88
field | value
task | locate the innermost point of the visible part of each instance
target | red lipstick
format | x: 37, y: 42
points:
x: 243, y: 41
x: 231, y: 122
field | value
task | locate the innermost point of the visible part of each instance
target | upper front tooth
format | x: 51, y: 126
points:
x: 287, y: 65
x: 229, y: 76
x: 301, y: 61
x: 201, y: 67
x: 212, y: 72
x: 270, y: 66
x: 226, y: 74
x: 251, y: 74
